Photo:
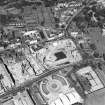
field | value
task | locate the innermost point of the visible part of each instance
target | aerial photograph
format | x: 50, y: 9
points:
x: 52, y: 52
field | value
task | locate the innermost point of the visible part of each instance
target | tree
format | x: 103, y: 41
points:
x: 77, y: 103
x: 104, y: 56
x: 1, y: 77
x: 93, y: 46
x: 96, y: 54
x: 84, y: 82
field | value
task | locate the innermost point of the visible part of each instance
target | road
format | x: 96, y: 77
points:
x: 49, y: 72
x: 30, y: 82
x: 71, y: 18
x: 78, y: 12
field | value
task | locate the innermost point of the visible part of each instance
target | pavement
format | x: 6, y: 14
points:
x: 96, y: 98
x: 30, y: 82
x: 98, y: 39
